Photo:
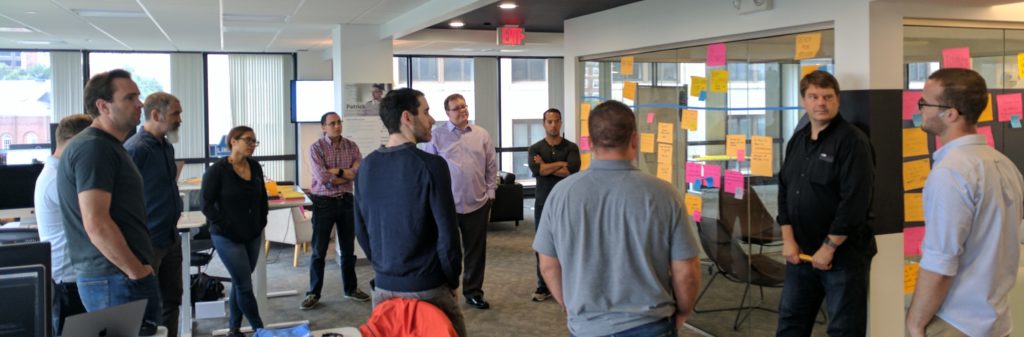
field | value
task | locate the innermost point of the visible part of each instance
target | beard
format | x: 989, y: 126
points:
x: 173, y: 136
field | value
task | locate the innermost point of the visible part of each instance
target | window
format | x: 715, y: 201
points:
x: 150, y: 71
x: 668, y: 74
x: 26, y: 102
x: 6, y: 141
x: 529, y: 70
x: 30, y: 138
x: 523, y: 131
x: 524, y: 98
x: 424, y: 69
x: 458, y: 69
x: 401, y: 72
x: 435, y: 89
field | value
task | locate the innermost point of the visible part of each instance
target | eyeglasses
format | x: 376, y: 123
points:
x: 250, y: 141
x: 458, y: 107
x: 921, y: 104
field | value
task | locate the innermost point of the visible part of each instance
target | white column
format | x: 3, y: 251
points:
x: 359, y: 56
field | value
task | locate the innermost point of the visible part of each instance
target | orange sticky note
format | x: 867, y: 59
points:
x: 986, y: 115
x: 807, y: 45
x: 915, y: 173
x: 910, y: 271
x: 629, y: 90
x: 665, y: 171
x: 807, y: 69
x: 1020, y: 65
x: 693, y: 203
x: 627, y: 65
x: 647, y: 142
x: 584, y: 111
x: 761, y: 156
x: 584, y: 160
x: 719, y: 80
x: 585, y: 129
x: 734, y: 143
x: 697, y: 84
x: 913, y: 207
x: 689, y: 120
x: 915, y: 142
x: 664, y: 154
x: 665, y: 132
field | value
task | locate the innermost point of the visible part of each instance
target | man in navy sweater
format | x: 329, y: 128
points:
x: 405, y: 213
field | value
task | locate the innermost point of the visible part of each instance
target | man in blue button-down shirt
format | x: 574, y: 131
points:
x: 153, y: 154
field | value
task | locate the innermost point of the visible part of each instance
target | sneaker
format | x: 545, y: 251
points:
x: 309, y: 302
x: 358, y: 296
x: 541, y: 295
x: 235, y: 333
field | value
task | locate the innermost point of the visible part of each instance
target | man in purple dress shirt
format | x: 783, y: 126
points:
x: 474, y: 169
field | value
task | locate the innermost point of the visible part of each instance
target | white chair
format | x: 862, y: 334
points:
x: 290, y: 226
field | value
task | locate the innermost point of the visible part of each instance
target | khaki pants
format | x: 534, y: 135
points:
x: 937, y: 327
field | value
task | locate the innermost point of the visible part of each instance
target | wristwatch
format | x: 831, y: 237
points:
x: 830, y: 243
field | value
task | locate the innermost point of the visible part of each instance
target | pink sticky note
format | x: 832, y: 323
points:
x: 987, y: 132
x: 1008, y: 105
x: 910, y: 99
x: 584, y: 143
x: 650, y: 117
x: 956, y: 58
x: 696, y: 216
x: 715, y: 172
x: 716, y: 55
x: 733, y: 181
x: 693, y: 171
x: 912, y: 238
x: 938, y: 143
x: 741, y: 155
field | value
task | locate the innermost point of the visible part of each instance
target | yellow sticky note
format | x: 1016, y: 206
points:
x: 689, y: 120
x: 627, y: 65
x: 913, y: 207
x: 585, y: 129
x: 1020, y: 65
x: 647, y: 142
x: 915, y: 142
x: 734, y: 143
x: 719, y: 80
x: 910, y: 271
x: 804, y: 70
x: 665, y: 171
x: 629, y: 90
x: 915, y: 172
x: 665, y: 132
x: 693, y: 203
x: 807, y: 45
x: 761, y: 156
x: 986, y: 115
x: 584, y: 111
x: 697, y: 84
x: 584, y: 160
x: 664, y: 154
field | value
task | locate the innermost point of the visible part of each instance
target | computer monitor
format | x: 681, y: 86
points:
x: 17, y: 196
x: 25, y: 290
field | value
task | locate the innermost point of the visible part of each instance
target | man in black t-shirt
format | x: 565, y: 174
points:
x: 551, y: 160
x: 102, y: 203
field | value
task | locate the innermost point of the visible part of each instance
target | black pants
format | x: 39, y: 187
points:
x: 844, y: 289
x: 167, y: 265
x: 65, y: 303
x: 328, y: 214
x: 474, y: 249
x: 538, y: 210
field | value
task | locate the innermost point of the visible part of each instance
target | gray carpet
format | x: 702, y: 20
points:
x: 510, y: 281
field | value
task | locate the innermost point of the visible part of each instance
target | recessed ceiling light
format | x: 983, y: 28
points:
x: 255, y: 18
x: 31, y: 12
x: 35, y: 42
x: 456, y: 24
x: 508, y: 5
x: 96, y: 13
x: 15, y: 30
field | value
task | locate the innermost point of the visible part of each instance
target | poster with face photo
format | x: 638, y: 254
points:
x: 361, y: 119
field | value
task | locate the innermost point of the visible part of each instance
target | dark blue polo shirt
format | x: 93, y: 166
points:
x: 155, y: 160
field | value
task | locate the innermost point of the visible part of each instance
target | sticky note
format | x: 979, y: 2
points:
x: 1015, y: 122
x: 910, y: 271
x: 689, y: 120
x: 665, y: 132
x: 734, y: 143
x: 627, y: 65
x: 912, y: 237
x: 646, y: 142
x: 584, y: 161
x: 761, y: 156
x: 917, y: 120
x: 910, y: 98
x: 664, y: 154
x: 741, y: 155
x: 697, y: 184
x: 1020, y: 65
x: 629, y: 90
x: 585, y: 129
x: 938, y: 143
x: 665, y: 171
x: 956, y: 58
x: 807, y: 45
x: 913, y: 207
x: 1009, y: 105
x: 915, y: 172
x: 987, y: 132
x: 703, y: 96
x: 584, y: 143
x: 697, y: 216
x: 986, y: 115
x: 719, y: 80
x: 807, y: 69
x: 733, y: 181
x: 738, y: 193
x: 714, y: 172
x: 584, y: 111
x: 915, y: 142
x: 709, y: 182
x: 693, y: 203
x: 716, y: 55
x: 697, y: 84
x: 693, y: 171
x: 650, y: 117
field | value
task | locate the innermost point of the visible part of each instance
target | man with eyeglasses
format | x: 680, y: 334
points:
x: 473, y: 165
x: 334, y: 161
x: 972, y: 207
x: 825, y: 194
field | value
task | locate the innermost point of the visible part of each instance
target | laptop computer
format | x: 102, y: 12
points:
x: 117, y: 321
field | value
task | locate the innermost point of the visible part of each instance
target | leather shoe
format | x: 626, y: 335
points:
x: 477, y: 302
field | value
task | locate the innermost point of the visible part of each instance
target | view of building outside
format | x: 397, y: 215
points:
x: 438, y: 77
x: 26, y: 107
x: 524, y: 98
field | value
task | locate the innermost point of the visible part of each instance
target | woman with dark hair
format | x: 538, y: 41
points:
x: 235, y: 205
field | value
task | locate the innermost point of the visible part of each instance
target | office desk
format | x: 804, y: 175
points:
x: 188, y: 223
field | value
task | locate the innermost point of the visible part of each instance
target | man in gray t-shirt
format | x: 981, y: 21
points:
x: 631, y: 263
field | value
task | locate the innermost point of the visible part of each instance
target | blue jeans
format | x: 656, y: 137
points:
x: 665, y: 327
x: 100, y: 292
x: 844, y: 289
x: 239, y: 259
x: 328, y: 214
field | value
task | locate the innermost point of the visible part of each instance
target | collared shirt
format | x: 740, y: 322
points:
x: 973, y: 202
x: 327, y: 154
x: 826, y: 186
x: 51, y: 226
x: 615, y: 231
x: 155, y: 160
x: 472, y: 162
x: 565, y: 151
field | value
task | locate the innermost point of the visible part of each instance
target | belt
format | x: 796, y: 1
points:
x: 343, y: 195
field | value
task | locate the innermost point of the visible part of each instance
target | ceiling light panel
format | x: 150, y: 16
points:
x: 508, y: 5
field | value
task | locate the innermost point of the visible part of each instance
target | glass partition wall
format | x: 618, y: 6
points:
x: 717, y: 131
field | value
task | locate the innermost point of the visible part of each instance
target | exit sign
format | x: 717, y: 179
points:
x: 511, y: 36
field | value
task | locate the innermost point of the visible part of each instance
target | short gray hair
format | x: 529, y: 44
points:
x: 161, y: 101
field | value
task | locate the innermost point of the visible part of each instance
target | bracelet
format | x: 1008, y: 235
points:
x: 829, y: 243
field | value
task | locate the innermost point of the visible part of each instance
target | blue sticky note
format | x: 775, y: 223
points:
x: 710, y: 182
x: 703, y: 95
x: 823, y: 68
x: 917, y: 120
x: 696, y: 185
x: 1015, y: 121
